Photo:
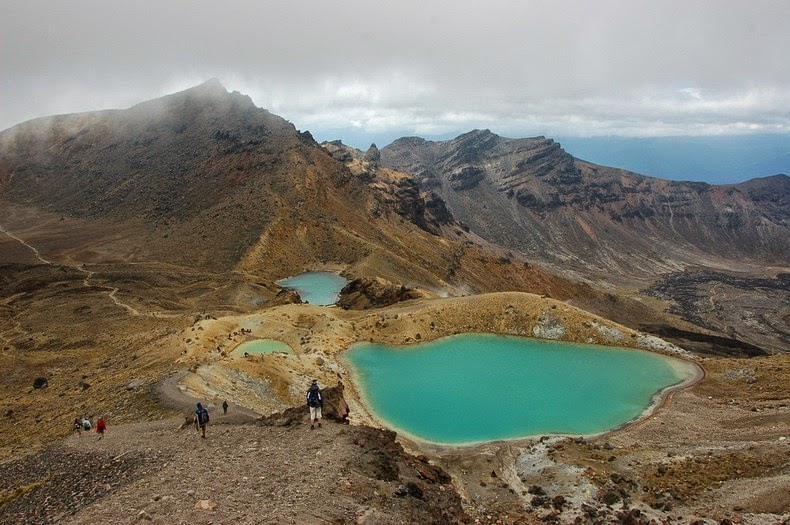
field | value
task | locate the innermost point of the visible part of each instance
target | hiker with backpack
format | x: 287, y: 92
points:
x: 201, y: 420
x: 315, y: 402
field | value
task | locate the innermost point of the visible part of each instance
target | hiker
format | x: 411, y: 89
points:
x: 225, y: 407
x: 86, y: 424
x: 201, y: 419
x: 101, y: 427
x: 315, y: 402
x: 77, y: 425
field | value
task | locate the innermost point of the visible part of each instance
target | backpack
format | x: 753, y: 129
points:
x: 203, y: 416
x: 314, y: 397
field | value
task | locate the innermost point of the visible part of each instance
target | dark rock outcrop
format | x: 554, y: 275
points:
x: 372, y: 156
x: 466, y: 177
x: 285, y: 296
x: 335, y: 408
x: 364, y: 293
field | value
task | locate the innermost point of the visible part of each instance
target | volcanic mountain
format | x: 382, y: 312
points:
x: 204, y: 183
x: 530, y: 195
x: 726, y: 244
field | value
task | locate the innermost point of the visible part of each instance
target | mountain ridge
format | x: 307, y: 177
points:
x: 532, y: 186
x: 203, y: 178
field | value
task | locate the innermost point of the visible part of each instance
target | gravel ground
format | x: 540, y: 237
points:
x: 280, y: 472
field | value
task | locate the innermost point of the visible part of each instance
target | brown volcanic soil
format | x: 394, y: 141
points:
x: 244, y: 472
x: 714, y: 450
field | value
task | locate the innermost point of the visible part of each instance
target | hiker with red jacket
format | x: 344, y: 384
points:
x: 101, y: 427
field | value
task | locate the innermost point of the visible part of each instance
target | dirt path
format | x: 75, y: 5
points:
x: 242, y: 474
x: 21, y: 241
x: 172, y: 397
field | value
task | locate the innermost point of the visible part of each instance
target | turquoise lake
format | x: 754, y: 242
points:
x: 321, y: 288
x: 481, y: 387
x: 262, y: 346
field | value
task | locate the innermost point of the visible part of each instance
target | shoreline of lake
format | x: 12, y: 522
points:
x: 688, y: 373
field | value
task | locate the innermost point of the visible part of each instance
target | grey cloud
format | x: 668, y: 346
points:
x: 526, y: 67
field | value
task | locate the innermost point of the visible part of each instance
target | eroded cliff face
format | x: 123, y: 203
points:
x: 395, y: 191
x: 531, y: 195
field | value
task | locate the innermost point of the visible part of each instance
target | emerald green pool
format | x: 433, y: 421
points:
x: 262, y: 346
x: 320, y: 288
x: 481, y: 387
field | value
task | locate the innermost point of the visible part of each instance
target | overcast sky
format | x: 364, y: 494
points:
x: 353, y: 69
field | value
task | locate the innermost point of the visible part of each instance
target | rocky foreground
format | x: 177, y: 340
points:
x: 670, y: 469
x: 250, y: 472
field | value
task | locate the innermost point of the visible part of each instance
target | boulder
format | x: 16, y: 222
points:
x: 285, y: 296
x: 335, y: 408
x: 135, y: 384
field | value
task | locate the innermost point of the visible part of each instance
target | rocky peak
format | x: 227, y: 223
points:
x: 373, y: 155
x: 210, y: 96
x: 166, y: 163
x: 210, y: 86
x: 394, y: 191
x: 465, y: 161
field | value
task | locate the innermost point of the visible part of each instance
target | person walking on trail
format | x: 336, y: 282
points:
x: 77, y: 425
x: 315, y: 402
x: 225, y: 407
x: 201, y: 419
x: 101, y: 427
x: 86, y: 424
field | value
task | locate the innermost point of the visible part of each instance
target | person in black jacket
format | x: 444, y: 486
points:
x: 315, y: 402
x: 201, y: 419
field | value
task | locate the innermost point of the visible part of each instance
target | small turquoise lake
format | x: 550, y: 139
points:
x: 320, y: 288
x: 480, y: 387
